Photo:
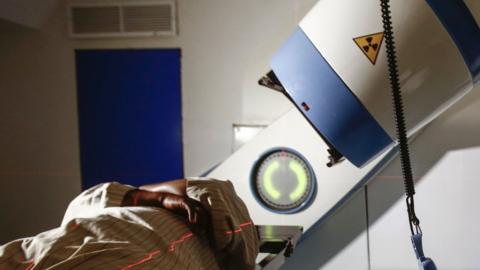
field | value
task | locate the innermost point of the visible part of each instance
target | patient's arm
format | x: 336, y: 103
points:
x: 168, y: 195
x: 177, y: 187
x: 153, y: 194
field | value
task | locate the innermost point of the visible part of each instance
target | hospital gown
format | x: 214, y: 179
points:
x: 96, y: 233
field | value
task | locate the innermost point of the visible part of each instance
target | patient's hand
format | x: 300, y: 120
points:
x: 193, y: 210
x: 182, y: 205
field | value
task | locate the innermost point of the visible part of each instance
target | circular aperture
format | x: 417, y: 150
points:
x: 283, y: 180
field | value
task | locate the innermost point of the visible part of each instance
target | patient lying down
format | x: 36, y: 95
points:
x: 182, y: 224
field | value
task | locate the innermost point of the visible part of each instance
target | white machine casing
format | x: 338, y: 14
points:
x: 346, y: 96
x: 343, y: 98
x: 432, y: 71
x: 335, y: 185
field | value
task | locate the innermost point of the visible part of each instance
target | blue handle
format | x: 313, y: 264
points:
x: 423, y: 262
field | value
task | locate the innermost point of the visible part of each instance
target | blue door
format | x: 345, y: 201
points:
x: 129, y: 106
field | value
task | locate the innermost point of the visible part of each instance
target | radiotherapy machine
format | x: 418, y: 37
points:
x: 334, y: 69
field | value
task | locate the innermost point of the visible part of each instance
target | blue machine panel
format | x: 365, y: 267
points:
x: 327, y: 102
x: 129, y: 106
x: 464, y: 30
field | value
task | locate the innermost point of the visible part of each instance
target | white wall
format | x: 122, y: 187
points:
x: 39, y: 161
x: 446, y: 158
x: 226, y: 46
x: 30, y: 13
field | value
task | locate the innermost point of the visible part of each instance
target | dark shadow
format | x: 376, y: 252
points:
x: 7, y: 27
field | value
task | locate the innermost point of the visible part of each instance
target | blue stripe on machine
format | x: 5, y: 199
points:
x: 325, y: 100
x: 462, y: 27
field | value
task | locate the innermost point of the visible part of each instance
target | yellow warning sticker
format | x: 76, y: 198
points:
x: 370, y: 45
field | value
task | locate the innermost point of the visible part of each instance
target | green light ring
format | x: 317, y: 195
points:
x: 268, y: 182
x: 271, y: 205
x: 302, y: 181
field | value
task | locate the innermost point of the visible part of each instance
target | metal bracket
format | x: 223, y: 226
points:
x: 279, y: 243
x: 271, y: 81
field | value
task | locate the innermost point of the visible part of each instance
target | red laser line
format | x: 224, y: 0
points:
x: 173, y: 244
x: 245, y: 224
x: 151, y: 255
x: 181, y: 240
x: 240, y: 228
x: 142, y: 261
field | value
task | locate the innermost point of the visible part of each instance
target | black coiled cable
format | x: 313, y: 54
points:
x: 399, y: 115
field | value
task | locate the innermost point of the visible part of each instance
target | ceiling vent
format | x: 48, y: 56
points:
x: 136, y: 19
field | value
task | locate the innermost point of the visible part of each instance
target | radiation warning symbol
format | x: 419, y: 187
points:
x: 370, y: 45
